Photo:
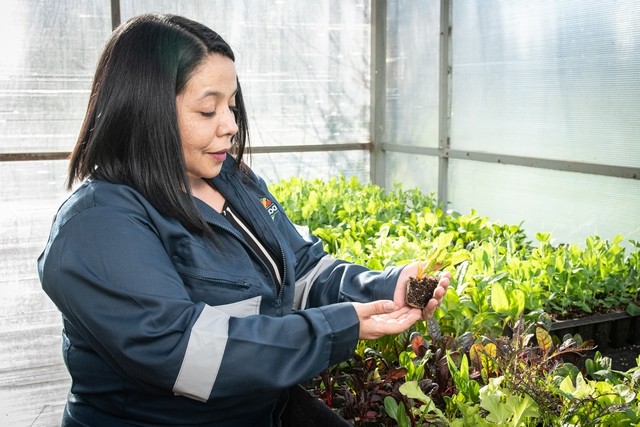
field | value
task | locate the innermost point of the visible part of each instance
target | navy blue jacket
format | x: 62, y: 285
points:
x: 164, y: 327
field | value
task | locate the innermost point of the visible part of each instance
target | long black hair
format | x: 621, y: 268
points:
x: 130, y: 131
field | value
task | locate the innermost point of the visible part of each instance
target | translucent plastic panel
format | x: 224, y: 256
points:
x: 28, y: 207
x: 412, y: 72
x: 303, y: 66
x: 47, y: 59
x: 32, y: 373
x: 323, y: 165
x: 569, y: 205
x: 548, y: 78
x: 412, y: 171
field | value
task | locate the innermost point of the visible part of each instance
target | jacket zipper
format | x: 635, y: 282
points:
x: 279, y: 287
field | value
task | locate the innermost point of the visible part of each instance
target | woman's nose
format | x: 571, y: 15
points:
x: 229, y: 123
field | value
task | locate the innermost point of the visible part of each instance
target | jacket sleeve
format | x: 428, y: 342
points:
x: 112, y: 279
x: 331, y: 280
x: 322, y: 279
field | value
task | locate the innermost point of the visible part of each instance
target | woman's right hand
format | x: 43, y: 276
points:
x: 383, y: 317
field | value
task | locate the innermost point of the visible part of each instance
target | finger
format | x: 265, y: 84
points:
x: 434, y: 302
x: 438, y: 294
x: 430, y: 308
x: 445, y: 277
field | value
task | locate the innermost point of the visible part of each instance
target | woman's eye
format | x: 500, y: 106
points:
x: 208, y: 114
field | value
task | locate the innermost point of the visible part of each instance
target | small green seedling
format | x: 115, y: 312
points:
x: 420, y: 288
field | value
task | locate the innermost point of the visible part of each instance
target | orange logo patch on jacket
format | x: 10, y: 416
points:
x: 271, y: 207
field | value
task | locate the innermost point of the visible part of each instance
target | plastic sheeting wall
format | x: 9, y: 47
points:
x: 548, y: 79
x: 304, y: 67
x: 412, y: 91
x: 304, y: 70
x: 47, y: 53
x: 544, y: 79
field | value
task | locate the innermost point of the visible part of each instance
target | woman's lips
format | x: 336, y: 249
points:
x: 219, y: 156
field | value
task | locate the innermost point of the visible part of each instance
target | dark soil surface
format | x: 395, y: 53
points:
x: 420, y: 290
x: 614, y: 336
x: 622, y: 359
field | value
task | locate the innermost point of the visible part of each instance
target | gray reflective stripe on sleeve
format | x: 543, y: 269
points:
x: 302, y: 230
x: 242, y: 308
x: 304, y: 284
x: 206, y: 346
x: 204, y: 355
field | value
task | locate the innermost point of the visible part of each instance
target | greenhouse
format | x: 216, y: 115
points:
x: 491, y: 145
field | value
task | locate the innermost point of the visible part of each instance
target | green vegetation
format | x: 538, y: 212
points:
x: 486, y: 358
x: 506, y: 273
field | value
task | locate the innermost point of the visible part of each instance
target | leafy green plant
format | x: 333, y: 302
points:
x: 356, y: 389
x: 594, y: 278
x: 476, y: 362
x: 421, y: 287
x: 521, y: 380
x: 365, y: 224
x: 524, y: 361
x: 595, y: 402
x: 441, y: 255
x: 524, y: 379
x: 425, y: 411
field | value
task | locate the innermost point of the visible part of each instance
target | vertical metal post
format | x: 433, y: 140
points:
x: 377, y: 167
x: 115, y: 14
x: 444, y: 101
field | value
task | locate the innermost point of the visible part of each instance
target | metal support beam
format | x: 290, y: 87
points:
x: 64, y: 155
x: 378, y: 90
x: 355, y: 146
x: 25, y: 157
x: 115, y: 14
x: 412, y: 149
x: 559, y: 165
x: 444, y: 101
x: 533, y: 162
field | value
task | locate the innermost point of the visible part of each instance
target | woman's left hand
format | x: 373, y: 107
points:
x: 411, y: 270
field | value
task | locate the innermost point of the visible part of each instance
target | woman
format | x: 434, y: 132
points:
x: 188, y: 297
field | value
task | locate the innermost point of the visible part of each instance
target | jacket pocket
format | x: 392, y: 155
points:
x: 216, y: 276
x: 217, y: 290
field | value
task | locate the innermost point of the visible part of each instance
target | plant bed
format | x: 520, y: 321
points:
x: 508, y: 373
x: 442, y: 381
x: 612, y: 330
x: 622, y: 359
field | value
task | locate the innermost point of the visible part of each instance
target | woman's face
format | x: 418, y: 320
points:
x: 205, y: 117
